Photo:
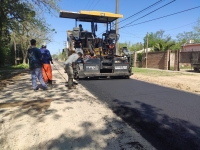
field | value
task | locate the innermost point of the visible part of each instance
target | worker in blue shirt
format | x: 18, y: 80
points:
x: 46, y: 68
x: 35, y: 65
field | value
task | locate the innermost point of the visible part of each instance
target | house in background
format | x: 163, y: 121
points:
x: 143, y: 50
x: 190, y: 47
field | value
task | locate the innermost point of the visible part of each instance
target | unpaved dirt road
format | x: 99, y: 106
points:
x: 60, y: 119
x: 186, y: 81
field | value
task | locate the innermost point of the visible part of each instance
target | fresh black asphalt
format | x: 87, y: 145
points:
x: 169, y: 119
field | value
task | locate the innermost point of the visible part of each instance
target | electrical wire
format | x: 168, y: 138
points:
x: 182, y: 26
x: 132, y: 34
x: 87, y: 4
x: 91, y: 5
x: 141, y: 11
x: 148, y: 13
x: 162, y: 17
x: 96, y: 4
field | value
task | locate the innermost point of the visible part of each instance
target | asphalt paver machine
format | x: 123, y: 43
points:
x: 99, y: 53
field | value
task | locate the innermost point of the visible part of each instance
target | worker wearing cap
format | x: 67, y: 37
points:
x: 46, y: 59
x: 80, y: 27
x: 69, y: 69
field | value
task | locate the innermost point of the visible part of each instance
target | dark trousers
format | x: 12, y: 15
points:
x: 69, y: 70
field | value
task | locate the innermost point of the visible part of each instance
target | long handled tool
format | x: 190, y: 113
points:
x: 63, y: 76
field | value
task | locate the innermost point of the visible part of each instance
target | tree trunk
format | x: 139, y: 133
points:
x: 25, y: 57
x: 15, y: 49
x: 23, y: 51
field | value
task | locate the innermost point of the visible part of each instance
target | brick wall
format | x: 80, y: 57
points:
x: 163, y: 60
x: 158, y: 60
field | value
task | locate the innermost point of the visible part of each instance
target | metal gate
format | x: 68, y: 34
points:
x: 190, y: 57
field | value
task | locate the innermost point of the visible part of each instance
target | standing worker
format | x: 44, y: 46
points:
x: 46, y: 68
x: 35, y: 65
x: 68, y: 68
x: 80, y: 27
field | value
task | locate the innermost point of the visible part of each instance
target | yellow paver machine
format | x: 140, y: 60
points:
x: 99, y: 53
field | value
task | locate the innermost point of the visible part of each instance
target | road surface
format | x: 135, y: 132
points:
x: 167, y: 118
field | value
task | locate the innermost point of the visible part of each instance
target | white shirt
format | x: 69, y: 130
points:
x: 72, y: 58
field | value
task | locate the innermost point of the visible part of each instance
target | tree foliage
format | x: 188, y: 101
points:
x: 132, y: 47
x: 197, y: 27
x: 187, y: 36
x: 159, y: 41
x: 49, y: 6
x: 21, y: 21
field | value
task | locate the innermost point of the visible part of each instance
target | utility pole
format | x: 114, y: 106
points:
x: 146, y: 48
x: 116, y: 26
x: 65, y: 45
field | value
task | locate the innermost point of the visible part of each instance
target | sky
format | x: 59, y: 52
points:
x: 172, y: 25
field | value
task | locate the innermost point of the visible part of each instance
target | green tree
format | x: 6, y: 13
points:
x: 197, y: 27
x: 49, y: 6
x: 153, y: 38
x: 54, y: 56
x: 159, y: 41
x: 137, y: 46
x: 185, y: 37
x: 39, y: 31
x: 17, y: 16
x: 121, y: 45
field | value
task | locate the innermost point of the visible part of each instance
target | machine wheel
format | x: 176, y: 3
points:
x: 196, y: 69
x: 126, y: 77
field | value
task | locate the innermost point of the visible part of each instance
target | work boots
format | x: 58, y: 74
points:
x: 49, y: 84
x: 72, y: 87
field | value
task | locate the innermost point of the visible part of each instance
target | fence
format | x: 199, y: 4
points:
x: 159, y: 60
x: 167, y: 60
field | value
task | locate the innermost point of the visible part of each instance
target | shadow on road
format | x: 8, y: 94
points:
x: 161, y: 130
x: 26, y: 112
x: 90, y: 138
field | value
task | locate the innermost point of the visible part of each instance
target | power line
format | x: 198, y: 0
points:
x: 148, y: 13
x: 181, y: 26
x: 91, y: 5
x: 141, y: 11
x: 95, y: 4
x: 162, y: 17
x: 164, y: 30
x: 131, y: 34
x: 87, y: 4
